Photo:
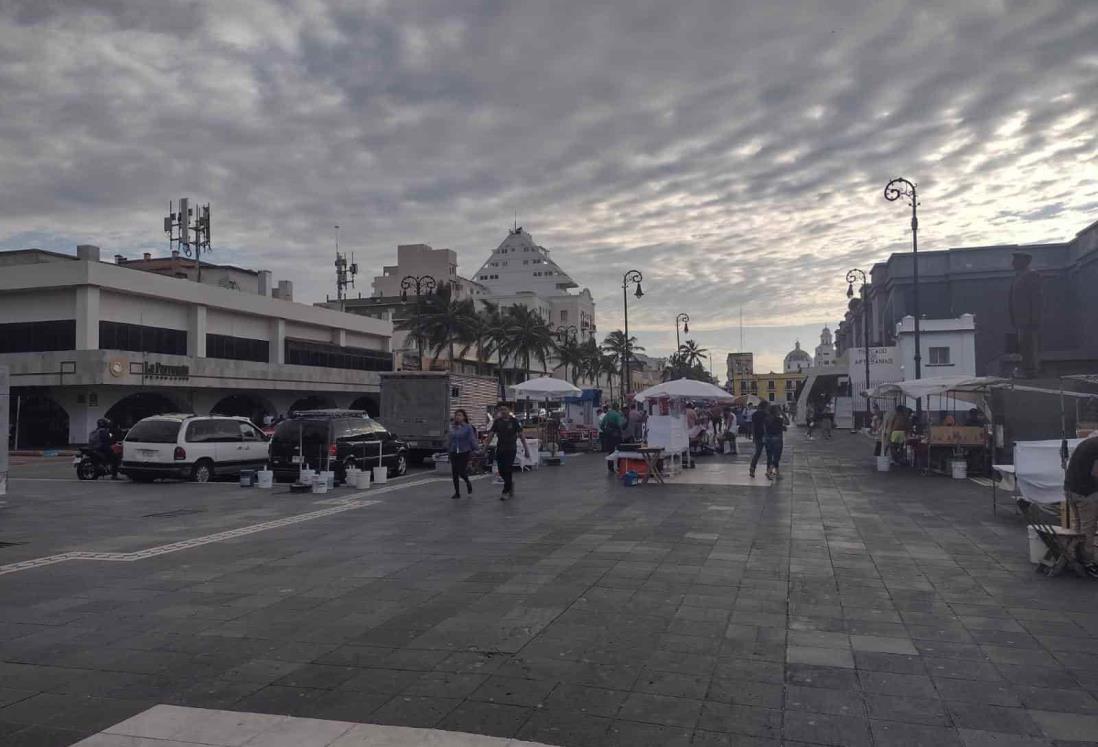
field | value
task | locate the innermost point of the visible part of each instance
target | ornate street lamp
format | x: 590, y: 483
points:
x: 851, y: 276
x: 684, y: 319
x: 424, y: 285
x: 896, y: 189
x: 632, y: 277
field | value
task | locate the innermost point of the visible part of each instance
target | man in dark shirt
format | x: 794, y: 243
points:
x: 758, y: 434
x: 1081, y: 489
x: 508, y: 432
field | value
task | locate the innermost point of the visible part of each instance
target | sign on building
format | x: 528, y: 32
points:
x: 884, y: 368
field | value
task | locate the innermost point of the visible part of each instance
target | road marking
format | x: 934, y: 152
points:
x: 349, y: 503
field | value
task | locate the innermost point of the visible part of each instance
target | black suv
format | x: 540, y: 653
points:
x: 337, y: 440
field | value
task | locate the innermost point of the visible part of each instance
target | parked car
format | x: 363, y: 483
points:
x: 193, y: 447
x: 337, y: 440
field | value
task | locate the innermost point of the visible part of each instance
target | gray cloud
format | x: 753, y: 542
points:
x: 735, y: 152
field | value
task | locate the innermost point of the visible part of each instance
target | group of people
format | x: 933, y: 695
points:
x: 463, y: 442
x: 620, y: 426
x: 768, y: 425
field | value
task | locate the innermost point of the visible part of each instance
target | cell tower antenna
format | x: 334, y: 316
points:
x: 345, y: 271
x: 179, y: 227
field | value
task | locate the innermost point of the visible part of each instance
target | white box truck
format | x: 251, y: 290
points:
x: 417, y: 405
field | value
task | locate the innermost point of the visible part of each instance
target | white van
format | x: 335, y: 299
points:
x: 192, y: 447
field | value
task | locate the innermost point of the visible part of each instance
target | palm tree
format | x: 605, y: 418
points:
x: 527, y: 336
x: 490, y: 337
x: 615, y: 345
x: 442, y: 323
x: 608, y: 366
x: 691, y: 354
x: 571, y: 356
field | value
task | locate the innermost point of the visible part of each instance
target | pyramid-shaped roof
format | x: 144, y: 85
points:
x: 518, y: 264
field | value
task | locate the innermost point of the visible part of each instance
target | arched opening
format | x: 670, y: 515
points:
x: 245, y: 405
x: 371, y: 403
x: 37, y: 422
x: 312, y: 402
x: 132, y: 408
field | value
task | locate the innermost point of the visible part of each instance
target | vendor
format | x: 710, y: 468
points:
x: 974, y: 418
x: 901, y: 424
x: 1081, y: 490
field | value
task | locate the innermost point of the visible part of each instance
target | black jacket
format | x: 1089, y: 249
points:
x: 758, y: 424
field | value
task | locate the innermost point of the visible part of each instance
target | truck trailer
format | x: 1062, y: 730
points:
x: 418, y: 405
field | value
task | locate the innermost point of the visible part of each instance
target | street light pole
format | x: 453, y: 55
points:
x: 851, y: 276
x: 422, y: 284
x: 895, y: 190
x: 634, y: 277
x: 684, y: 318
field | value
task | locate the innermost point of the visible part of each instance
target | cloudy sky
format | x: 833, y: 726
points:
x: 734, y: 152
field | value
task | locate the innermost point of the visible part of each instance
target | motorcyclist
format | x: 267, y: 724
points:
x: 100, y: 442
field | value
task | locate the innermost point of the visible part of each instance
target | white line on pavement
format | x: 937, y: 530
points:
x: 348, y: 503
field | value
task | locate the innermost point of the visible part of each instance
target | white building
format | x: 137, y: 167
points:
x: 86, y: 339
x: 825, y: 351
x: 423, y: 261
x: 948, y: 346
x: 797, y: 360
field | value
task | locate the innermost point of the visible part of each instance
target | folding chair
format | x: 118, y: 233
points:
x: 1062, y: 545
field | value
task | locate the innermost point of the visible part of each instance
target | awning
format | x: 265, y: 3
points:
x: 685, y: 389
x: 967, y: 388
x: 545, y: 387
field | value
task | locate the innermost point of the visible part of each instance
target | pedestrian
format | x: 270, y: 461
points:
x: 613, y: 426
x: 716, y: 417
x: 635, y: 423
x: 775, y: 440
x: 827, y: 421
x: 901, y: 424
x: 1081, y: 491
x: 507, y: 432
x: 758, y: 434
x: 730, y: 426
x: 461, y: 442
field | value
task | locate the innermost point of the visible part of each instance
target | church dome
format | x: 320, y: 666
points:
x: 797, y: 359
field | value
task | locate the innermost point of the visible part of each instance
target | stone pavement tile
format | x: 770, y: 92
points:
x: 886, y: 683
x: 975, y: 691
x: 950, y: 650
x: 883, y: 645
x: 704, y: 738
x: 9, y: 696
x: 843, y: 731
x: 872, y: 661
x: 471, y: 662
x: 975, y: 738
x: 750, y: 669
x: 445, y: 684
x: 1053, y: 699
x: 962, y: 669
x: 992, y: 718
x: 513, y: 691
x: 260, y: 671
x: 383, y: 681
x: 817, y: 639
x: 823, y: 657
x: 343, y: 705
x: 671, y: 661
x: 660, y: 709
x: 833, y: 678
x: 43, y: 736
x: 290, y: 701
x: 420, y: 660
x: 672, y: 683
x: 689, y: 644
x: 895, y: 734
x: 1062, y: 726
x: 414, y: 710
x: 939, y: 633
x: 1022, y: 656
x: 319, y: 676
x: 352, y: 655
x: 566, y: 728
x: 635, y: 734
x: 78, y: 713
x: 906, y: 709
x: 493, y: 719
x: 1049, y: 677
x: 745, y: 692
x: 594, y: 701
x: 741, y: 720
x: 819, y: 700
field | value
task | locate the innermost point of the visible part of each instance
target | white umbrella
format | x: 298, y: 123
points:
x: 545, y: 387
x: 685, y: 389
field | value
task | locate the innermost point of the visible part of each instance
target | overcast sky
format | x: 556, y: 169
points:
x: 734, y: 152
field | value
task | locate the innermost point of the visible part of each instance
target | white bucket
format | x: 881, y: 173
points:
x: 362, y: 479
x: 884, y: 463
x: 320, y: 487
x: 959, y: 468
x: 264, y: 478
x: 328, y: 478
x: 381, y: 475
x: 307, y: 476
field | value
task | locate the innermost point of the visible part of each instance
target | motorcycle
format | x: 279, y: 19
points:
x: 90, y: 464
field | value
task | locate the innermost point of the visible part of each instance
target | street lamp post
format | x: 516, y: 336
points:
x: 851, y: 276
x: 423, y: 284
x: 684, y: 318
x: 632, y: 277
x: 896, y: 189
x: 562, y: 334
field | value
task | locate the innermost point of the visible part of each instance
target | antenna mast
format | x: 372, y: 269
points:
x: 179, y: 228
x: 345, y: 271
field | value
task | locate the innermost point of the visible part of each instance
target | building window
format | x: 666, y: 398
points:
x: 770, y: 396
x: 237, y: 348
x: 564, y: 317
x: 327, y: 355
x: 770, y: 385
x: 939, y: 356
x: 139, y: 338
x: 38, y: 337
x: 789, y: 396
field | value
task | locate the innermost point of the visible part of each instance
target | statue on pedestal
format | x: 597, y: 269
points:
x: 1026, y: 303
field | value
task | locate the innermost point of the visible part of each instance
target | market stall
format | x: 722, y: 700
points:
x: 544, y: 389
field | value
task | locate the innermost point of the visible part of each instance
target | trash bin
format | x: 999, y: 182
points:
x: 264, y: 478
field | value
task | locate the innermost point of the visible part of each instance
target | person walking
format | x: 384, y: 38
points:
x: 775, y: 441
x: 827, y: 421
x: 507, y: 432
x: 758, y: 434
x: 1081, y: 490
x: 461, y: 442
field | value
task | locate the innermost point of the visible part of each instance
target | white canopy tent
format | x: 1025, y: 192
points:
x: 967, y: 388
x: 545, y: 387
x: 685, y: 389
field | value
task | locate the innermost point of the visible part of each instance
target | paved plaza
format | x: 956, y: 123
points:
x: 838, y: 606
